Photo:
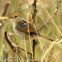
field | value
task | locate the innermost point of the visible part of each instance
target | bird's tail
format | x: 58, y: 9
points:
x: 46, y: 37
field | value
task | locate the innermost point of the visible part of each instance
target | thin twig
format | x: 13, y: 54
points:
x: 25, y: 50
x: 4, y: 12
x: 50, y: 19
x: 8, y: 41
x: 5, y: 9
x: 35, y: 10
x: 47, y: 22
x: 33, y: 17
x: 34, y: 44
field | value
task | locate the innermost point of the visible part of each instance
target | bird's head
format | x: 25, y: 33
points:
x: 16, y: 17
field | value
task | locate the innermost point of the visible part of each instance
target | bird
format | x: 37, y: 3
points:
x: 23, y: 29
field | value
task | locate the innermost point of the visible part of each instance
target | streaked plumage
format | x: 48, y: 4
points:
x: 20, y: 27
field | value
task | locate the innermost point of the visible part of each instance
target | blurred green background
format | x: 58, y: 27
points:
x: 24, y: 7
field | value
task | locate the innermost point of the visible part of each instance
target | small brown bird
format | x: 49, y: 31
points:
x: 20, y: 27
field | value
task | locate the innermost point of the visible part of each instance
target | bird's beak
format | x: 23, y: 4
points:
x: 4, y: 18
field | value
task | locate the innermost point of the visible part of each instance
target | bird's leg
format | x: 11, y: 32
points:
x: 20, y: 44
x: 16, y: 46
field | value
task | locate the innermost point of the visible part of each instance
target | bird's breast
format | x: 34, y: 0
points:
x: 18, y: 33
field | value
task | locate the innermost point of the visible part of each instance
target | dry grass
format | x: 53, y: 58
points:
x: 45, y: 10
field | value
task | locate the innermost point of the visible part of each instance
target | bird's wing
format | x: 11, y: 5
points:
x: 23, y: 27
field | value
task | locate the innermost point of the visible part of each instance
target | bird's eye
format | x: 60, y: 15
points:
x: 15, y: 16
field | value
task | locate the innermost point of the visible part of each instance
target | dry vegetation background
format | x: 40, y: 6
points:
x: 45, y: 50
